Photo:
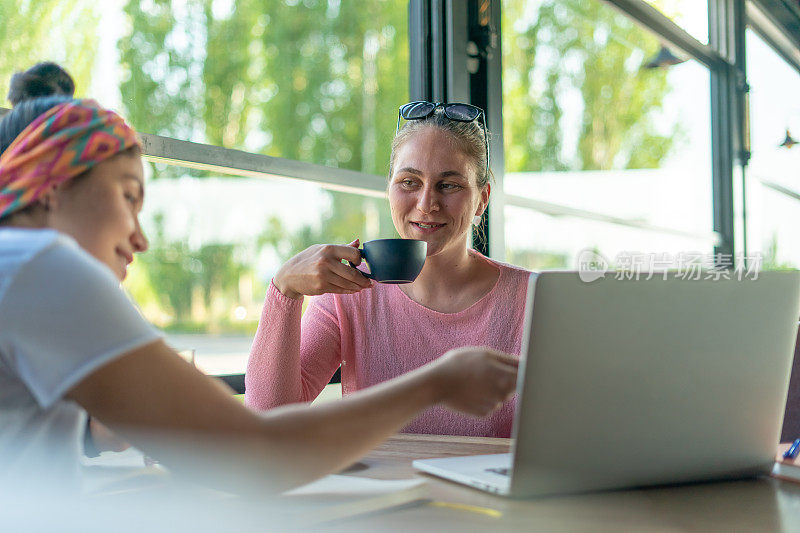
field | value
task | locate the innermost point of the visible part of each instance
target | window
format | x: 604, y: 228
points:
x: 772, y: 192
x: 690, y: 15
x: 314, y: 81
x: 46, y: 29
x: 601, y: 153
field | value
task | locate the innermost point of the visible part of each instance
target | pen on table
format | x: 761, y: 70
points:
x: 494, y: 513
x: 791, y: 453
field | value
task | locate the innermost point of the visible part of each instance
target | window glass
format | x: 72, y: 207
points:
x: 691, y: 15
x: 772, y: 192
x: 317, y: 81
x: 45, y: 30
x: 601, y: 153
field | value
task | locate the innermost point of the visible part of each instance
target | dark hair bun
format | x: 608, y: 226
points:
x: 42, y: 79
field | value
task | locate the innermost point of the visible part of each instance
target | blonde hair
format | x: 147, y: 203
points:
x: 468, y: 135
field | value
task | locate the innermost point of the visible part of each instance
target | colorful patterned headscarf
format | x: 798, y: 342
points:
x: 60, y: 144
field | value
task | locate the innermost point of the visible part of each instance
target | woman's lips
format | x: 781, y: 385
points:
x: 427, y: 227
x: 127, y: 257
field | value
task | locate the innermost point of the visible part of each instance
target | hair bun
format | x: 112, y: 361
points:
x: 42, y: 79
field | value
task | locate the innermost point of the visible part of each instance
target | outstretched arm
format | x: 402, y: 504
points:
x: 194, y: 426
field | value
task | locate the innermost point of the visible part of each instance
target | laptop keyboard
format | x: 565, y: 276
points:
x: 501, y: 471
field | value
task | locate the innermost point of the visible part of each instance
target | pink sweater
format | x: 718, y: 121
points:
x: 375, y: 335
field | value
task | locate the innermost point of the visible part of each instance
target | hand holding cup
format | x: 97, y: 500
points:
x: 319, y: 269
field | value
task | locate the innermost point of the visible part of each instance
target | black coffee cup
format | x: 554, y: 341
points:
x: 394, y: 260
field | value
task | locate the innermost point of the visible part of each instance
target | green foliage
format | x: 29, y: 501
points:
x: 314, y: 81
x: 531, y: 111
x: 219, y: 271
x: 160, y: 87
x: 172, y: 270
x: 186, y: 281
x: 559, y: 55
x: 350, y: 217
x: 42, y: 30
x: 571, y: 49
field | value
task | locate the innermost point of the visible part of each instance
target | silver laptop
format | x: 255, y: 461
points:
x: 627, y: 383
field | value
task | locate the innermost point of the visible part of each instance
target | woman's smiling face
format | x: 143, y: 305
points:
x: 101, y: 211
x: 433, y: 191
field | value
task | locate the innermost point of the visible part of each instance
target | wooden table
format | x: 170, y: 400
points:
x: 753, y: 505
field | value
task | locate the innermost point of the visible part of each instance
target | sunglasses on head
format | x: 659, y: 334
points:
x: 454, y: 111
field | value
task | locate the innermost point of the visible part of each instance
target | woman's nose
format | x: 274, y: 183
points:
x: 138, y: 239
x: 428, y: 200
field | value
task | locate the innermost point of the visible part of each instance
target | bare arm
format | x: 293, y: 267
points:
x: 193, y: 425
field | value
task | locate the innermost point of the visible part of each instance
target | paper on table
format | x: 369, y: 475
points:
x: 335, y: 497
x: 336, y: 485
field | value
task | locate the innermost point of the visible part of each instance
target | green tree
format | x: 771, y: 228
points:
x: 290, y: 79
x: 572, y: 47
x: 177, y: 274
x: 161, y: 59
x: 348, y: 218
x: 40, y: 30
x: 770, y: 261
x: 171, y: 270
x: 220, y: 271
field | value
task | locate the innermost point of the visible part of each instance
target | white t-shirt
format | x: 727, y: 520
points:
x: 62, y: 315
